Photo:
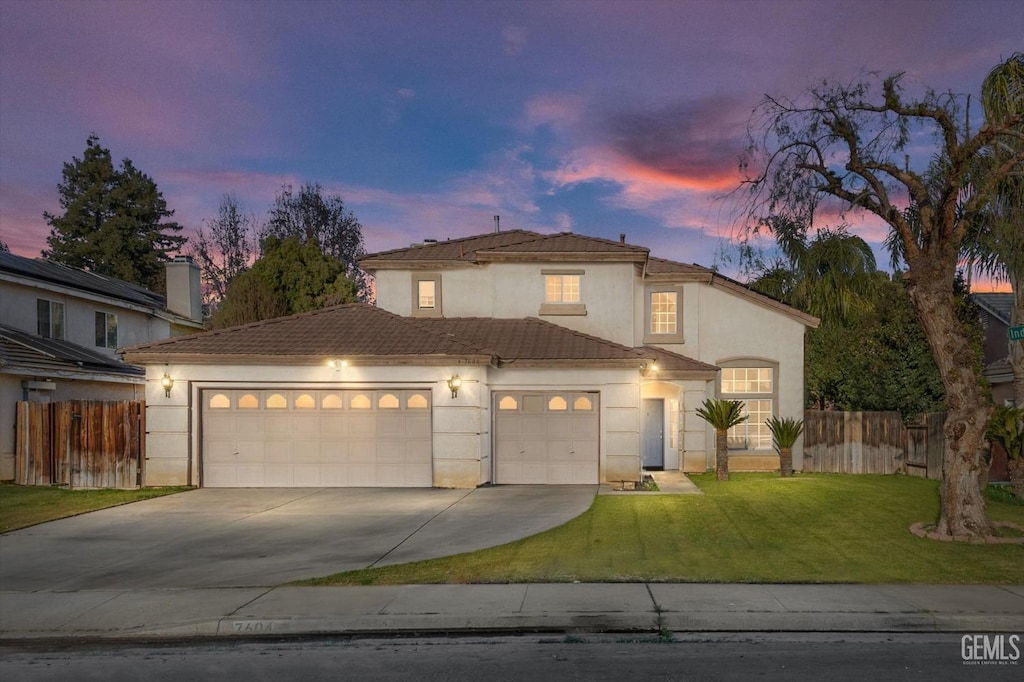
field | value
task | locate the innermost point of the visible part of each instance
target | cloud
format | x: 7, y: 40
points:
x: 513, y: 40
x: 556, y: 109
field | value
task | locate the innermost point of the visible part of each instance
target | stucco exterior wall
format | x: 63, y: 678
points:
x: 516, y: 290
x: 133, y: 326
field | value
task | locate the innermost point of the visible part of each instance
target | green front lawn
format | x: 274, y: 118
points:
x: 754, y: 528
x: 22, y: 506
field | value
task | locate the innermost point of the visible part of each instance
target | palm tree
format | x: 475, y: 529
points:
x: 1007, y: 427
x: 832, y: 276
x: 997, y: 247
x: 785, y: 431
x: 722, y: 415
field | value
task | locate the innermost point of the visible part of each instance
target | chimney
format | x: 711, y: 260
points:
x: 184, y: 291
x: 497, y: 224
x: 622, y: 237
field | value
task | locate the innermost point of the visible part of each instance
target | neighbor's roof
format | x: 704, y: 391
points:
x: 365, y: 334
x: 55, y: 273
x: 24, y: 353
x: 999, y: 305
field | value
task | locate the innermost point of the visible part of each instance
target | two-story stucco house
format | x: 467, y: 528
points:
x: 60, y: 329
x: 510, y: 357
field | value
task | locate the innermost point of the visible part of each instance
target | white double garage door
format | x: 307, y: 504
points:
x: 383, y: 438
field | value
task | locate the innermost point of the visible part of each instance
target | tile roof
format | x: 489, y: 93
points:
x: 463, y: 249
x: 48, y: 271
x: 998, y: 304
x: 674, y: 362
x: 663, y: 266
x: 355, y: 329
x: 518, y: 340
x: 20, y: 350
x: 505, y: 244
x: 358, y: 330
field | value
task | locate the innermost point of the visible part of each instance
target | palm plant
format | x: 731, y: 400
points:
x: 1007, y: 428
x: 785, y: 431
x: 722, y: 415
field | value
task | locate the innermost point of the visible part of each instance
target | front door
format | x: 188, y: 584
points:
x: 653, y: 434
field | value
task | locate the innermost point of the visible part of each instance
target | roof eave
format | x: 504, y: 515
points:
x: 560, y: 256
x: 372, y: 266
x: 150, y: 358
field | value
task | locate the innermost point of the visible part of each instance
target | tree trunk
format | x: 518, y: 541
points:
x: 962, y: 506
x: 786, y: 461
x: 722, y: 455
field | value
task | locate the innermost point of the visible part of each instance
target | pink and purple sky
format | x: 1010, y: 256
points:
x: 430, y: 117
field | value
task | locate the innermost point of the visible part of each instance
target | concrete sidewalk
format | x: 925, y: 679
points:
x: 605, y: 607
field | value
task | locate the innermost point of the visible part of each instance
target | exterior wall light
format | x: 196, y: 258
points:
x: 337, y: 364
x: 455, y: 383
x: 649, y: 368
x: 167, y: 383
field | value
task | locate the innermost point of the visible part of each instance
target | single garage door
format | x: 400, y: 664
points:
x: 546, y: 437
x: 314, y: 438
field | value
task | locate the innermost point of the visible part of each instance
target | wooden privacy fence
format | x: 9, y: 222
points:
x: 873, y: 443
x: 80, y: 443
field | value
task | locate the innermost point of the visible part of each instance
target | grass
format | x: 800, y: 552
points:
x: 816, y: 528
x: 22, y: 506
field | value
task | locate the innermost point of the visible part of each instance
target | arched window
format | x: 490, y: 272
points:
x: 220, y: 401
x: 277, y: 402
x: 388, y: 402
x: 248, y: 402
x: 305, y: 402
x: 360, y: 402
x: 332, y: 401
x: 508, y: 403
x: 582, y: 404
x: 557, y: 404
x: 417, y: 401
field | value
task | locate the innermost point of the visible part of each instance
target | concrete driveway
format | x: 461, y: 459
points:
x: 259, y: 537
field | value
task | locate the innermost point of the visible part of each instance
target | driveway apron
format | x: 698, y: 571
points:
x: 260, y: 537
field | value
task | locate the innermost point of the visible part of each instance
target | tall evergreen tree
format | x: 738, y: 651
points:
x: 114, y: 221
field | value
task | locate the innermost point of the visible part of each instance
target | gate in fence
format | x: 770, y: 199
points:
x: 80, y: 443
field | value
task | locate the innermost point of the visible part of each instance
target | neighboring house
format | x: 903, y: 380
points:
x: 60, y: 329
x: 995, y: 318
x: 511, y: 357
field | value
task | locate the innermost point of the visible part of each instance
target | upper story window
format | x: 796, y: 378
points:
x: 563, y: 292
x: 106, y: 330
x: 664, y: 315
x: 50, y: 318
x: 426, y: 295
x: 561, y: 288
x: 756, y: 387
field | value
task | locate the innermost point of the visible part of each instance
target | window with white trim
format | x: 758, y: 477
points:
x: 49, y: 319
x: 106, y: 330
x: 755, y: 386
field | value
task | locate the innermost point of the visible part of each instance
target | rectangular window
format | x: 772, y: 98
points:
x: 561, y: 288
x: 664, y: 312
x: 106, y: 330
x: 427, y: 289
x: 755, y: 386
x: 50, y: 318
x: 426, y: 294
